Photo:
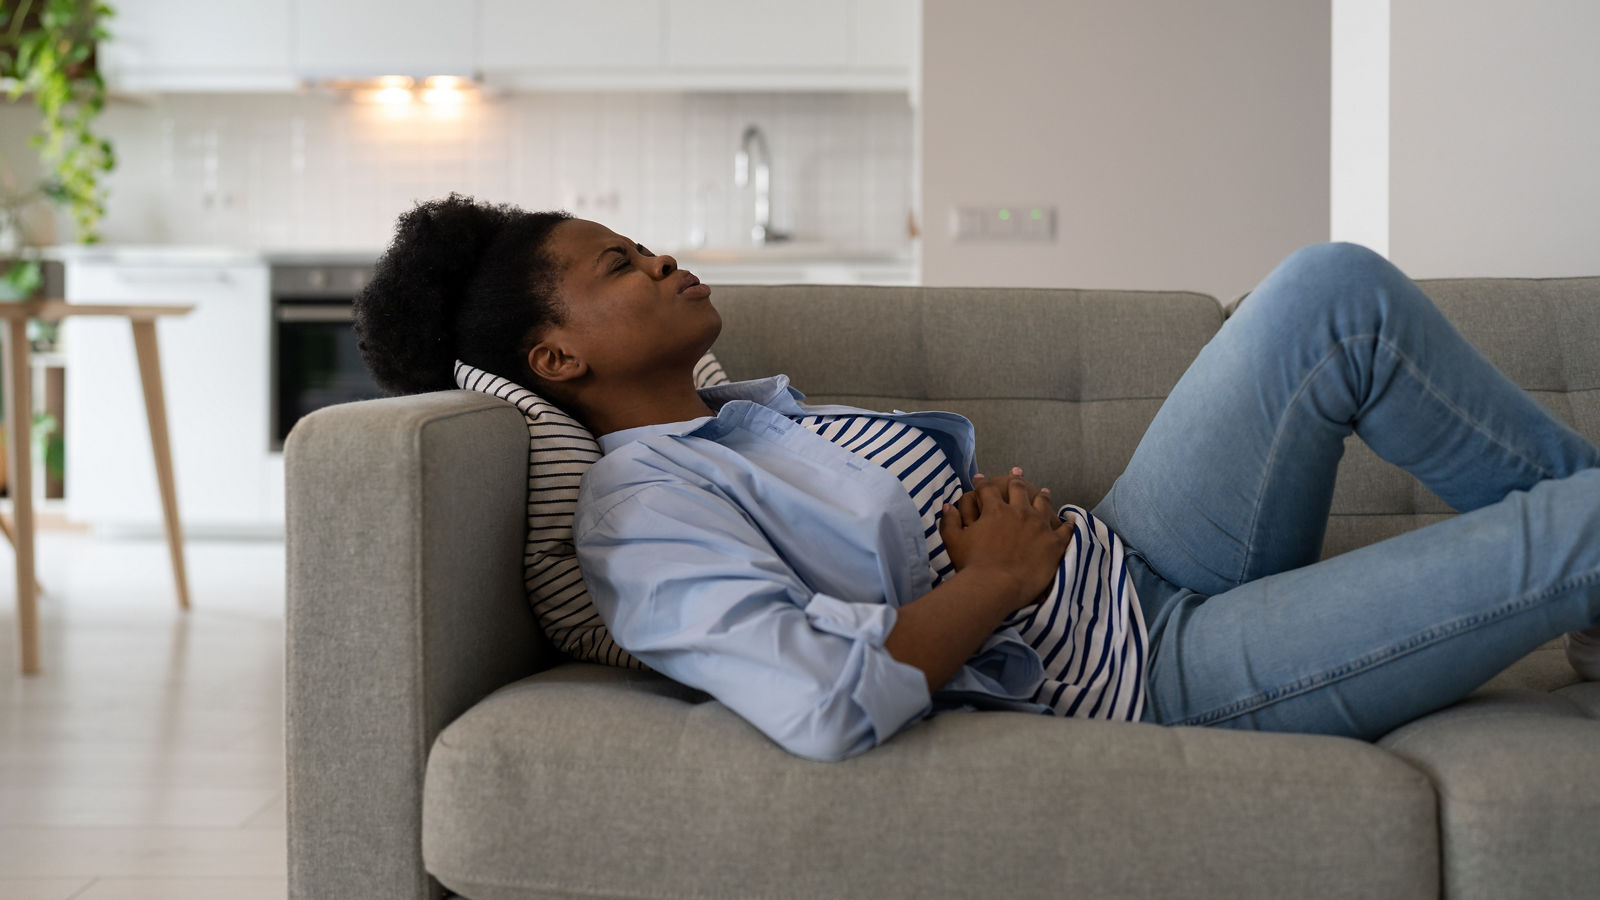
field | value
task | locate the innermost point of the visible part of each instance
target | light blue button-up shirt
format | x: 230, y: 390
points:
x: 746, y: 556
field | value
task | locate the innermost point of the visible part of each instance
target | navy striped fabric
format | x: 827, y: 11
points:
x: 1089, y: 631
x: 560, y: 450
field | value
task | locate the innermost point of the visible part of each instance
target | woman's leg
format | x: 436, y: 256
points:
x: 1366, y: 641
x: 1232, y: 484
x: 1233, y: 480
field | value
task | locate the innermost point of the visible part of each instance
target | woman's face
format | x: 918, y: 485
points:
x: 627, y: 312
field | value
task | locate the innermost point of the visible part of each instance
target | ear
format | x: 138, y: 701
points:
x: 553, y: 362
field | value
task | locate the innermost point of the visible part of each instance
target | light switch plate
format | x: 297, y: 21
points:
x: 1020, y: 222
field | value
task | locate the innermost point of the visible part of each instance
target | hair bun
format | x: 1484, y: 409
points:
x: 404, y: 318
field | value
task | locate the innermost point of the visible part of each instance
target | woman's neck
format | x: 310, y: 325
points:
x: 633, y: 406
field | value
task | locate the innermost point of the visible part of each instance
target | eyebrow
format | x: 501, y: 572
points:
x: 620, y: 250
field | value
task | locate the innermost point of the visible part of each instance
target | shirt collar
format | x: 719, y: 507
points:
x: 773, y: 392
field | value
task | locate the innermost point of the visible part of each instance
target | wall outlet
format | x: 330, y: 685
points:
x: 1022, y: 222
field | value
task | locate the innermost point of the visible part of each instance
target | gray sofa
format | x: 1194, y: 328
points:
x: 438, y: 743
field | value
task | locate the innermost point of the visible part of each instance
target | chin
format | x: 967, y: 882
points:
x: 713, y: 330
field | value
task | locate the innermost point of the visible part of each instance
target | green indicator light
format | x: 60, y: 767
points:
x: 1005, y: 214
x: 1038, y: 214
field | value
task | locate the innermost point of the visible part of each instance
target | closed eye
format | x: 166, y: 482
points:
x: 625, y: 262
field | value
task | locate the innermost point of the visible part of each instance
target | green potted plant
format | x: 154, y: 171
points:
x: 47, y: 51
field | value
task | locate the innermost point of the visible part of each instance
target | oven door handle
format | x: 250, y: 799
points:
x: 318, y: 312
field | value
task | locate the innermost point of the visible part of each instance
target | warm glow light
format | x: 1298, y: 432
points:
x: 395, y: 81
x: 393, y: 96
x: 443, y: 96
x: 445, y: 82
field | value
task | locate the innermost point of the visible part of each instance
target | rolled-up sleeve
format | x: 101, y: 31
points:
x: 692, y: 588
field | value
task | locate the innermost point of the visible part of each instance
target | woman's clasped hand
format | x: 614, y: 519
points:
x: 1007, y: 525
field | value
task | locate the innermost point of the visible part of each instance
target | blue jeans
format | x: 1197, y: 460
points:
x: 1225, y: 502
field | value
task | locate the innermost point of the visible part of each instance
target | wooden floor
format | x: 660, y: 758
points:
x: 147, y: 760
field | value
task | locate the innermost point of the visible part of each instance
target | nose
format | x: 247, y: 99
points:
x: 668, y: 264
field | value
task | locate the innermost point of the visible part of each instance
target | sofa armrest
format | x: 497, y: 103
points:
x: 406, y: 522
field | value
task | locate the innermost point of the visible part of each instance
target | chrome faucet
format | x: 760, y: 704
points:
x: 762, y: 232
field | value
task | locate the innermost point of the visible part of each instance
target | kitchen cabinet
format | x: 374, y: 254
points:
x: 887, y: 35
x: 367, y: 38
x: 215, y: 370
x: 211, y: 45
x: 234, y: 45
x: 555, y: 35
x: 760, y: 34
x: 700, y: 44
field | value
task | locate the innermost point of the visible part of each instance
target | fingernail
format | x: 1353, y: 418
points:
x: 979, y: 475
x: 1044, y: 490
x: 1016, y: 470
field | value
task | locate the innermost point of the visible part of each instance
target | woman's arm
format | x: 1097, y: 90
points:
x: 689, y: 585
x: 940, y: 631
x: 1006, y: 554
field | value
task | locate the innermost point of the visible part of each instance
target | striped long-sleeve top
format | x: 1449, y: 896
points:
x: 1088, y: 630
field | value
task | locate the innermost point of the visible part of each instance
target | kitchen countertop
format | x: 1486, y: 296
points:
x: 154, y: 254
x: 785, y: 254
x: 786, y: 263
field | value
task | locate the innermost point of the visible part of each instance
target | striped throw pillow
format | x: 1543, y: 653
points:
x: 560, y: 450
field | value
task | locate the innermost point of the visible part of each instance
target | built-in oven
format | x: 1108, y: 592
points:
x: 315, y: 361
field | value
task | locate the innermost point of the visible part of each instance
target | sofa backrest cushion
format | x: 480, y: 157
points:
x: 1069, y: 392
x: 1061, y: 382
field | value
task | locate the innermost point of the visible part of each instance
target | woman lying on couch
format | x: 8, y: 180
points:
x: 833, y: 574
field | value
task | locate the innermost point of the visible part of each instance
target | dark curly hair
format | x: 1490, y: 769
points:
x: 461, y: 280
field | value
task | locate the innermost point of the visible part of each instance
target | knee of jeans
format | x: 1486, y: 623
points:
x: 1350, y: 280
x: 1343, y: 257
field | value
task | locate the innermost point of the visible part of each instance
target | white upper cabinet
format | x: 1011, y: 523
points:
x: 365, y: 38
x: 208, y: 45
x: 700, y: 44
x: 887, y: 34
x: 615, y: 35
x: 760, y: 34
x: 227, y: 45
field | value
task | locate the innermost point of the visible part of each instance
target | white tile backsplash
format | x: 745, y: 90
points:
x: 310, y: 172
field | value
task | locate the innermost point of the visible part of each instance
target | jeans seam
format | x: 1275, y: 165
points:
x: 1416, y: 373
x: 1372, y: 660
x: 1277, y: 439
x: 1460, y: 413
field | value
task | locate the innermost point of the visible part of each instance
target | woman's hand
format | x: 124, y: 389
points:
x: 1039, y: 498
x: 1011, y: 530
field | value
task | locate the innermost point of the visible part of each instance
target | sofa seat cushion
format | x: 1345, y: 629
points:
x: 594, y: 781
x: 1544, y: 670
x: 1518, y: 777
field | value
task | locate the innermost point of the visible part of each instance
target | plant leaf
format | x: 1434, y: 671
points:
x: 25, y: 276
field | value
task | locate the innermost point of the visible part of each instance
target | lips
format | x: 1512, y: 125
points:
x: 690, y: 287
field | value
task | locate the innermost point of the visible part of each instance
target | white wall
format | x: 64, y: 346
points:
x: 1495, y: 138
x: 1185, y: 145
x: 1359, y: 189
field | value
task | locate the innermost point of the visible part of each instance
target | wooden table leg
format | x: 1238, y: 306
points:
x: 19, y: 415
x: 144, y: 344
x: 11, y: 539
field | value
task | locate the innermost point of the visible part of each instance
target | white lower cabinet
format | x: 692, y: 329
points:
x: 215, y: 371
